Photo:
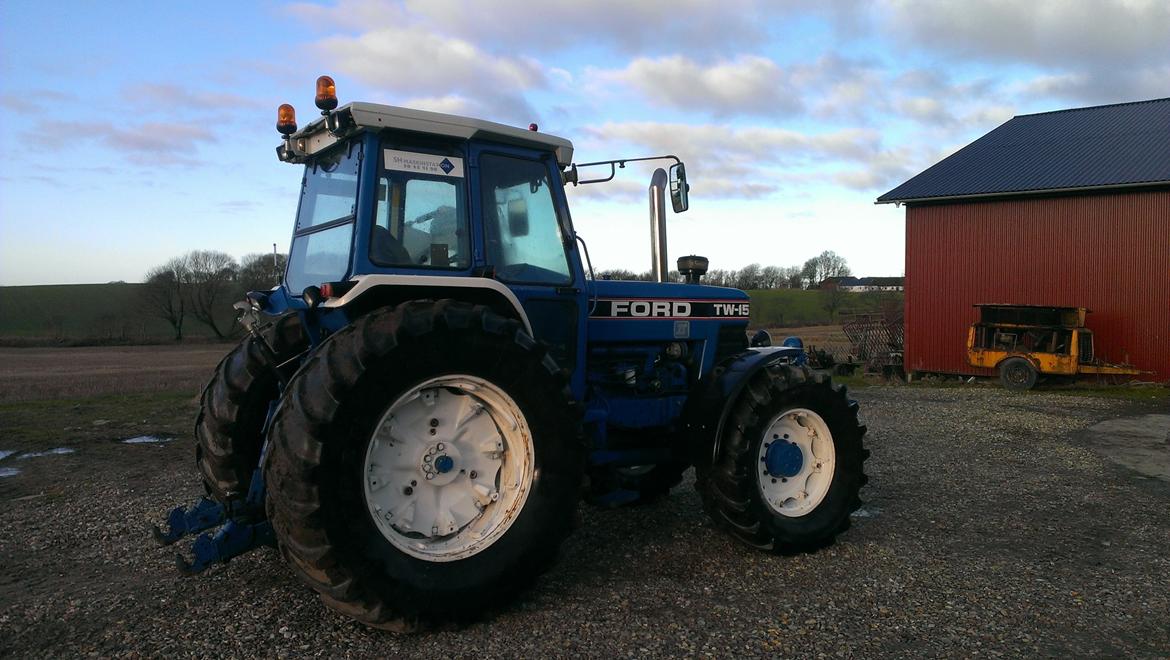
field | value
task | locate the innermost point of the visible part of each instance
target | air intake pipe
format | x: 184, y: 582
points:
x: 692, y: 267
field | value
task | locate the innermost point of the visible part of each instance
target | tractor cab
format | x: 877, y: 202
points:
x: 398, y: 204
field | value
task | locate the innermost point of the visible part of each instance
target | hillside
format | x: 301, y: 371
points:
x: 798, y: 308
x: 86, y: 313
x: 100, y: 313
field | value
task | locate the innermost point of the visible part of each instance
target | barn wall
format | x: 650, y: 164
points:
x: 1107, y: 252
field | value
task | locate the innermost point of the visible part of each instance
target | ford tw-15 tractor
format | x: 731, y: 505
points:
x: 419, y: 407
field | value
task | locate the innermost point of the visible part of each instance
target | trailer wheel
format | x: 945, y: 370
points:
x: 234, y: 405
x: 425, y: 464
x: 790, y: 463
x: 1017, y: 374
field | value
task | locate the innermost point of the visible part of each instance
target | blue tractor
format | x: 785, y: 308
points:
x: 420, y: 406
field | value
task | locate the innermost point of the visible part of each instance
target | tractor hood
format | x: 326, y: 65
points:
x: 666, y: 300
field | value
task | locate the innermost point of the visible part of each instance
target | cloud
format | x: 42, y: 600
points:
x: 170, y: 97
x: 924, y: 108
x: 751, y: 162
x: 647, y: 26
x: 1099, y: 86
x: 1051, y: 32
x: 150, y: 143
x: 413, y: 62
x: 1100, y: 51
x: 747, y: 85
x: 35, y: 101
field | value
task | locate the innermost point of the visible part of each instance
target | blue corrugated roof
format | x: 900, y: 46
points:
x: 1119, y: 145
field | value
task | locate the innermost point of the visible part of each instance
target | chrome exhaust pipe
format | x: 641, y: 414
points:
x: 658, y: 268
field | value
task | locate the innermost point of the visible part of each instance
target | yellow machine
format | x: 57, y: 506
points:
x: 1024, y: 341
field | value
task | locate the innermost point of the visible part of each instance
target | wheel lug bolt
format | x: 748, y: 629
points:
x: 413, y: 482
x: 430, y: 475
x: 427, y: 458
x: 434, y: 422
x: 441, y: 447
x: 773, y: 481
x: 432, y: 431
x: 408, y: 490
x: 473, y: 474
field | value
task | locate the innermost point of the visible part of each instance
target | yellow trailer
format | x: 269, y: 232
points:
x: 1024, y: 341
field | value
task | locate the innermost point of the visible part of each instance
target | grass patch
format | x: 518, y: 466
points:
x: 34, y: 424
x: 796, y: 307
x: 87, y: 314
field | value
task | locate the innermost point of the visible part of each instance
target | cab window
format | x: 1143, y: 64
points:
x: 421, y: 218
x: 324, y: 231
x: 524, y: 239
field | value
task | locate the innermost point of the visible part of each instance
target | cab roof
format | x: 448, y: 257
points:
x: 357, y: 116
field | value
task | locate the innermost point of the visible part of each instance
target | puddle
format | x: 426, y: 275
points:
x: 147, y: 440
x: 5, y: 454
x: 48, y: 452
x: 9, y: 472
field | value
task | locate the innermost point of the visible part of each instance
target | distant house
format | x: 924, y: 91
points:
x: 863, y: 284
x: 1068, y: 208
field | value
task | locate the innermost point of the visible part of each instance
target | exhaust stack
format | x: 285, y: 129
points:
x: 658, y: 267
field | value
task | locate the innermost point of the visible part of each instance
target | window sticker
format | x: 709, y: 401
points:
x: 409, y: 161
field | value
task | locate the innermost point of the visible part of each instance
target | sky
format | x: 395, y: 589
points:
x: 136, y: 131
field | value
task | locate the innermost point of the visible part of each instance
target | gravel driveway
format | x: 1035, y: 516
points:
x: 992, y: 526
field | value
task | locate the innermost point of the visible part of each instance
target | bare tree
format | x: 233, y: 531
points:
x: 832, y: 298
x: 823, y: 266
x: 211, y: 281
x: 748, y: 277
x: 261, y: 272
x: 164, y: 294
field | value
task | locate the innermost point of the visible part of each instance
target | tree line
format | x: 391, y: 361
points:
x: 201, y: 284
x: 810, y: 275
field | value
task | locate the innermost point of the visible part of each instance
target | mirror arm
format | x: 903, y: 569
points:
x: 614, y: 165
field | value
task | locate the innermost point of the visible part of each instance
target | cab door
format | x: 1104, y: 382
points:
x: 529, y: 246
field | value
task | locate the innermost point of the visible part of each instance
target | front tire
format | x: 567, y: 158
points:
x: 234, y: 406
x: 380, y: 521
x: 790, y: 463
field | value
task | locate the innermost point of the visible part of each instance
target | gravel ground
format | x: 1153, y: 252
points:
x: 992, y: 526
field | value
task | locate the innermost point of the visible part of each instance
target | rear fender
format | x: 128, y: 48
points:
x: 711, y: 399
x: 370, y: 292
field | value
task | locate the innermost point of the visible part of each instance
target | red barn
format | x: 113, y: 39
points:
x: 1068, y: 208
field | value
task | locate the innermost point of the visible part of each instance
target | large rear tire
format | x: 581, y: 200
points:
x: 234, y: 405
x: 425, y: 465
x: 790, y: 463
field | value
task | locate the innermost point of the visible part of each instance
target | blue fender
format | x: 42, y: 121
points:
x: 711, y: 400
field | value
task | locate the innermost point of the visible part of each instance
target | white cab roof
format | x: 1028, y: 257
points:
x: 315, y: 137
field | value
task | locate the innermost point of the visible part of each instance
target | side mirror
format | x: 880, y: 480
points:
x: 518, y: 217
x: 678, y: 187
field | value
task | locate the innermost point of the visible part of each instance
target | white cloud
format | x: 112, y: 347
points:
x: 748, y: 84
x: 412, y: 62
x: 1053, y: 32
x: 1087, y: 51
x: 631, y: 27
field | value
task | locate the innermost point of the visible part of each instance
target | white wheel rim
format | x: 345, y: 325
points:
x: 448, y: 468
x: 787, y: 488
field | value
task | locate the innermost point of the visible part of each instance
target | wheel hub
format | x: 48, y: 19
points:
x: 783, y: 459
x: 796, y: 462
x: 448, y: 467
